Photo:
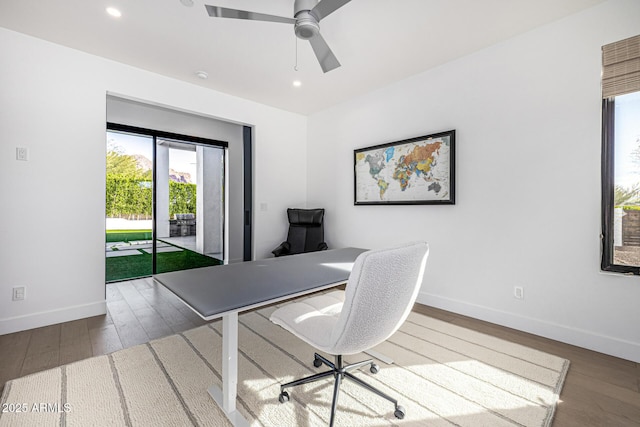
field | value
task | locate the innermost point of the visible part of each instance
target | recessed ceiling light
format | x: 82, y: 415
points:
x: 187, y: 3
x: 297, y: 83
x: 202, y: 74
x: 114, y: 12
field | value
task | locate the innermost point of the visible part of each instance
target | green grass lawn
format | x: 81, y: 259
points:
x: 130, y: 267
x: 127, y: 235
x: 133, y: 266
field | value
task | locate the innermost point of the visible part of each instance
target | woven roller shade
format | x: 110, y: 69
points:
x: 621, y: 67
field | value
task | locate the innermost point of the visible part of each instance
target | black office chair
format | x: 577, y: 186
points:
x: 306, y: 232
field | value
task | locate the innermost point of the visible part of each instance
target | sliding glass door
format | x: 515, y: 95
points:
x: 165, y: 202
x: 189, y: 205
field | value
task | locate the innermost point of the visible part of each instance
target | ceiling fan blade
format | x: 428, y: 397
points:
x: 327, y: 7
x: 223, y: 12
x: 326, y: 58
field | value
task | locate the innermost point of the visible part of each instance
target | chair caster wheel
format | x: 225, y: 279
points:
x: 284, y: 397
x: 399, y: 412
x: 317, y: 363
x: 374, y: 368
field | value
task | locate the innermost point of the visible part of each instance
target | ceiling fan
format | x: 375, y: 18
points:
x: 306, y: 15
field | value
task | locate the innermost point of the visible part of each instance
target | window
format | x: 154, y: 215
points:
x: 621, y: 156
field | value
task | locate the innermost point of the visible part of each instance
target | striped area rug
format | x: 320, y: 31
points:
x: 443, y: 375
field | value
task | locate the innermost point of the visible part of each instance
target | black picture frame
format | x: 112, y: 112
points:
x: 416, y: 171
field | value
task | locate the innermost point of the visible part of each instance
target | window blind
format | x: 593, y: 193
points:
x: 621, y: 67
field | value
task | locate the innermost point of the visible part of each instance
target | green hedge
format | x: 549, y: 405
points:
x: 182, y: 198
x: 132, y: 197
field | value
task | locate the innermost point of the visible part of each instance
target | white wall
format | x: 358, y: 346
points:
x: 527, y: 117
x: 54, y: 103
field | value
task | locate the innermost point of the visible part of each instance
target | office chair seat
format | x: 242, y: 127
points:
x: 312, y: 319
x: 379, y: 295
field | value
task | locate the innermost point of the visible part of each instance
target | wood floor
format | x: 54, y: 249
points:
x: 599, y: 390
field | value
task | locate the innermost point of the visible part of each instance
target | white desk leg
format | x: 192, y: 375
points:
x: 226, y: 398
x: 229, y: 361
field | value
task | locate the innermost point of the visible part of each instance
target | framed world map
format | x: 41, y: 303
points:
x: 413, y: 171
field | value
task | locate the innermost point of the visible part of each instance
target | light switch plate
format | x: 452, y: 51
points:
x: 18, y: 293
x: 22, y: 154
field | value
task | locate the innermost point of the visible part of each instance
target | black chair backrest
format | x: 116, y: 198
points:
x: 306, y: 229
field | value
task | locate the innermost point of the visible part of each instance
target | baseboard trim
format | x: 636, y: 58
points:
x: 45, y: 318
x: 579, y: 337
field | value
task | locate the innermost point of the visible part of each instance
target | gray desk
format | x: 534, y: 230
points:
x: 225, y: 290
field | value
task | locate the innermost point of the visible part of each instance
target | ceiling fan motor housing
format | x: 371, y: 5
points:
x: 306, y: 26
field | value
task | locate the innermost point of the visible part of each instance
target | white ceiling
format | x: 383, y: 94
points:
x: 377, y: 41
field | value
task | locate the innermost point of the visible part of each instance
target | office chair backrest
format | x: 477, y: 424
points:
x: 306, y: 229
x: 380, y: 293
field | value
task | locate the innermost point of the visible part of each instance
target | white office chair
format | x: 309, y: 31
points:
x: 380, y: 293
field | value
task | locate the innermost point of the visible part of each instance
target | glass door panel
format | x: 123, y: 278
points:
x: 189, y: 205
x: 129, y: 189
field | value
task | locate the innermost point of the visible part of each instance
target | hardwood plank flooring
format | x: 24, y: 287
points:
x: 75, y: 343
x: 599, y: 390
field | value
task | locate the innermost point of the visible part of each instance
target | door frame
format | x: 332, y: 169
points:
x: 247, y: 166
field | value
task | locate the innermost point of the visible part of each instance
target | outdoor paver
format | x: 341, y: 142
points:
x: 110, y: 245
x: 112, y: 254
x: 123, y: 246
x: 140, y: 246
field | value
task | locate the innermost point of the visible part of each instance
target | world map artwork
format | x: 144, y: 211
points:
x: 417, y: 171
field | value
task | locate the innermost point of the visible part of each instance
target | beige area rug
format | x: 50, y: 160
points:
x: 443, y: 375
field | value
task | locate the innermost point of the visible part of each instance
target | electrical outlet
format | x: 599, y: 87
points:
x: 18, y: 293
x: 22, y: 154
x: 518, y: 292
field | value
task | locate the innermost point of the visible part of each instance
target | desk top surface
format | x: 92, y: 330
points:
x: 214, y: 291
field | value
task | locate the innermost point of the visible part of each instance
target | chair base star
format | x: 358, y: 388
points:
x: 339, y: 371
